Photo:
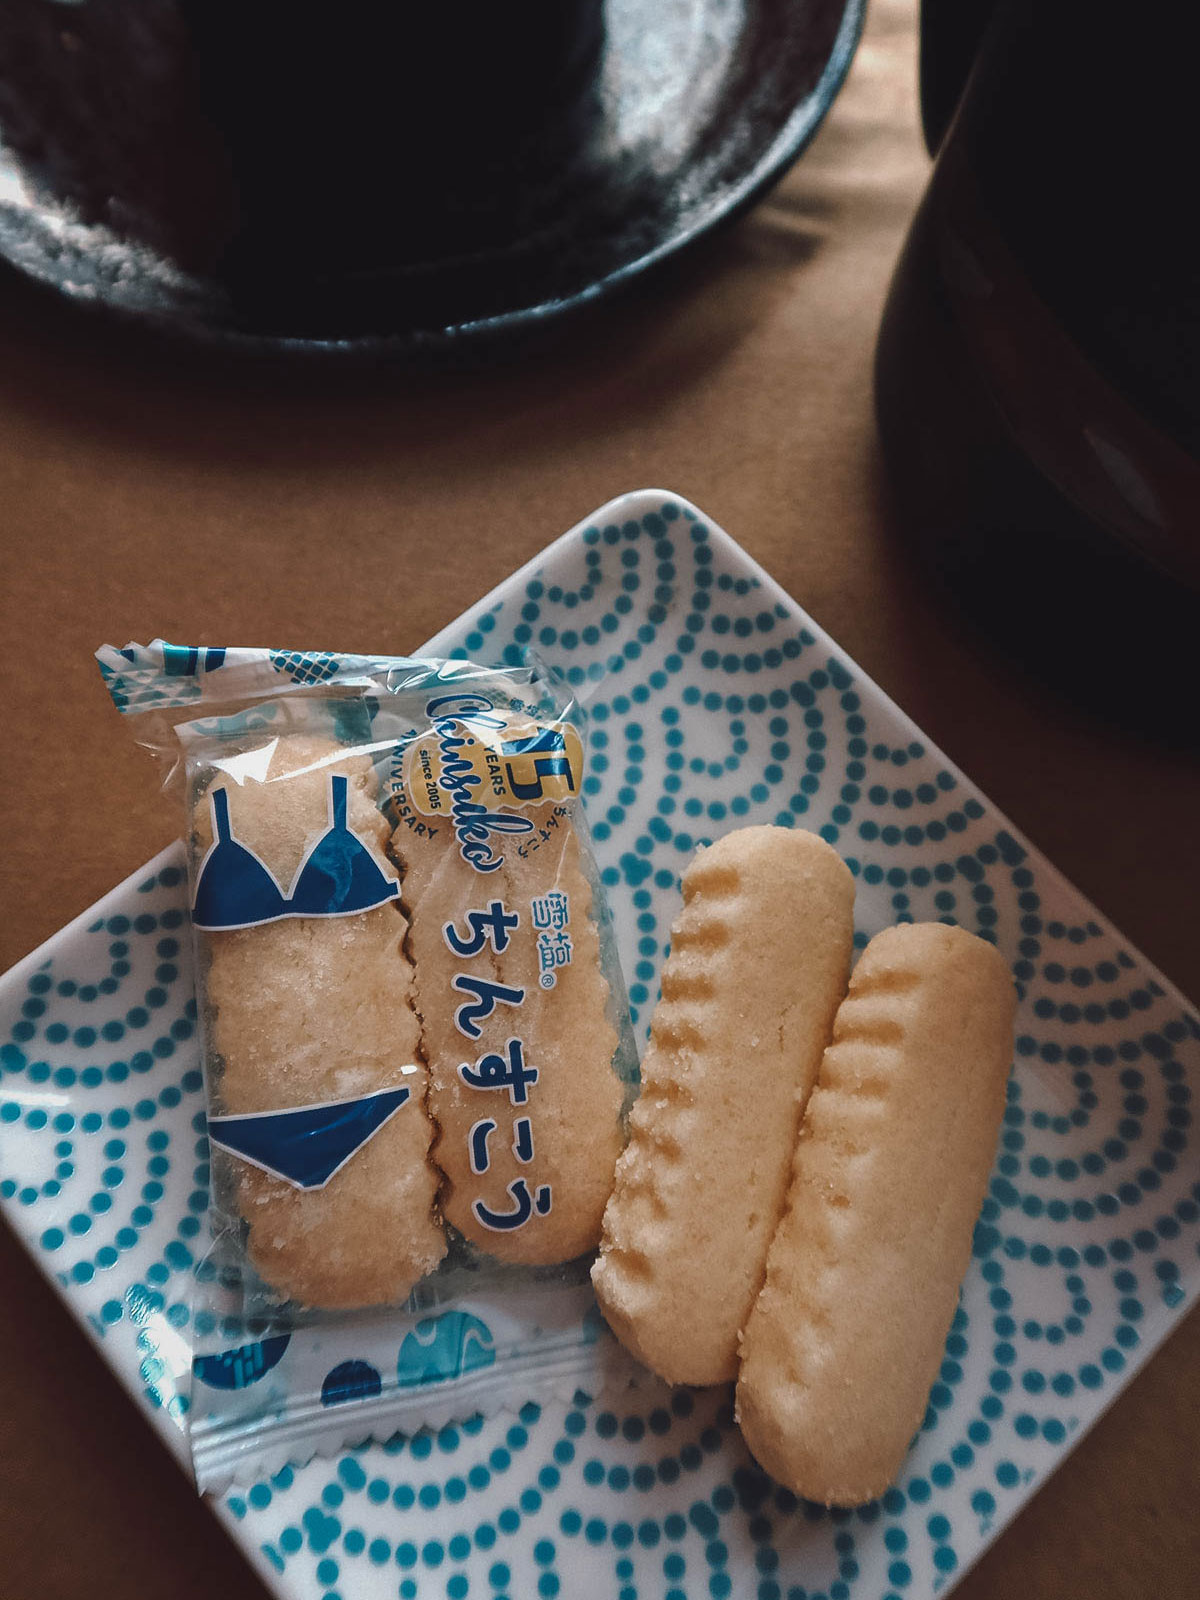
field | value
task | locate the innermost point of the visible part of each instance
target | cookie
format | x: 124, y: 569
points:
x: 759, y: 958
x: 527, y: 1162
x: 891, y: 1167
x: 309, y: 1009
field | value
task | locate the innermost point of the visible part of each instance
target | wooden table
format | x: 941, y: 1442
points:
x: 144, y: 493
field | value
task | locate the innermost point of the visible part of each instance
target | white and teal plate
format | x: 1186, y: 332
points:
x: 714, y: 701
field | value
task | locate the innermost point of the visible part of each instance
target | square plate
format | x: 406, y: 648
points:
x: 714, y: 701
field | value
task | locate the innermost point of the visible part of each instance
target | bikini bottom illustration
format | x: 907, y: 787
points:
x: 307, y: 1145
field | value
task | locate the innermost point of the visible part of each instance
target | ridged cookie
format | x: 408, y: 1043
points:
x: 307, y: 1009
x: 864, y: 1270
x: 564, y: 1137
x: 759, y: 959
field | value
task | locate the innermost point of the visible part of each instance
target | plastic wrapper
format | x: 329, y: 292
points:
x: 417, y: 1051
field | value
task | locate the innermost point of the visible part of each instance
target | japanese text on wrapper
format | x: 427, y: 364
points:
x: 496, y: 1072
x: 551, y: 916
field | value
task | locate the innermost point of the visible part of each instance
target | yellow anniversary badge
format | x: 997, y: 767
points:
x: 477, y: 764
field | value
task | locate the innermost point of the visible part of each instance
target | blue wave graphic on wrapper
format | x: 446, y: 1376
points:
x: 239, y: 1368
x: 307, y: 1145
x: 339, y: 876
x: 351, y: 1380
x: 185, y: 661
x: 440, y: 1348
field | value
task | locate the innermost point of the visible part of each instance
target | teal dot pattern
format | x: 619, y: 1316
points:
x: 711, y: 701
x: 103, y: 1153
x: 305, y: 666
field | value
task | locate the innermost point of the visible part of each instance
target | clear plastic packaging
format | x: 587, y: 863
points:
x: 417, y: 1050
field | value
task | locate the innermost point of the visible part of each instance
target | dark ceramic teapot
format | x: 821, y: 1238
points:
x: 1038, y: 367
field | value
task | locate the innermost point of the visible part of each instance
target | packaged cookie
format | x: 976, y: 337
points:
x: 416, y: 1043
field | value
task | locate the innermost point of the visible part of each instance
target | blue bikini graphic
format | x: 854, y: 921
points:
x: 338, y: 877
x: 305, y: 1145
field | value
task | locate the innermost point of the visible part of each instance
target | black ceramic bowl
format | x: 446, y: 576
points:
x: 391, y: 187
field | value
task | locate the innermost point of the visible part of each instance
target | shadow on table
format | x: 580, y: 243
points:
x: 107, y: 376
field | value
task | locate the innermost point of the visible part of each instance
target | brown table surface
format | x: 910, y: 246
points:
x: 145, y: 494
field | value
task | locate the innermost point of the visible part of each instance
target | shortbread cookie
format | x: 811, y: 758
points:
x: 528, y: 1165
x: 759, y: 958
x: 568, y: 1031
x: 309, y: 1009
x: 863, y: 1273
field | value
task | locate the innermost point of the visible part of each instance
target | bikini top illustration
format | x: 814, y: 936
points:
x: 337, y: 878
